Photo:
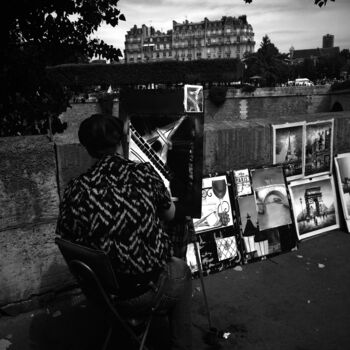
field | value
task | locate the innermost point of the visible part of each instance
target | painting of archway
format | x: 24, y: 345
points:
x: 314, y: 205
x: 271, y: 197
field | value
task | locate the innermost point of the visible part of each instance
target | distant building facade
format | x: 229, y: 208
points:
x: 328, y: 49
x: 328, y: 41
x: 229, y: 37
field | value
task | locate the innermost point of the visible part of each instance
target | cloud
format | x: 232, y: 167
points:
x: 299, y: 22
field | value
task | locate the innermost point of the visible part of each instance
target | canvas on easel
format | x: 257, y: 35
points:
x: 342, y: 166
x: 162, y: 133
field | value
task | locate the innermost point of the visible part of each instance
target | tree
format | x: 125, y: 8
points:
x: 268, y: 63
x: 42, y: 33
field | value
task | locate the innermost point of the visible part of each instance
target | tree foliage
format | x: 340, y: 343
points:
x: 165, y: 72
x: 323, y: 68
x: 42, y: 33
x: 267, y: 63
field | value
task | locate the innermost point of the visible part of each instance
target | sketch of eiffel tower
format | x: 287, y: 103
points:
x: 141, y: 150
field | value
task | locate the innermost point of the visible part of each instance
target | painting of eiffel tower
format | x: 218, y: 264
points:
x: 288, y: 148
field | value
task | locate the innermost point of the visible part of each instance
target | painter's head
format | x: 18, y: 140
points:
x: 101, y: 134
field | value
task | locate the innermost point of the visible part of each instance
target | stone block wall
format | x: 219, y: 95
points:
x: 30, y: 263
x: 233, y: 145
x: 269, y: 103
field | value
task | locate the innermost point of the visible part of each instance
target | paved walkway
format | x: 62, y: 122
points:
x: 296, y: 301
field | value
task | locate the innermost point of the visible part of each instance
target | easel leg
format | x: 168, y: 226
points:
x: 200, y: 271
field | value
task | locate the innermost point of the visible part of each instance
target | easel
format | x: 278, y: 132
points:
x: 213, y: 333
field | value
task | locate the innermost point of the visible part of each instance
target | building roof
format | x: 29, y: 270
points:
x: 309, y: 53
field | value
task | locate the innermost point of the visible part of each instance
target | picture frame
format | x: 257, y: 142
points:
x: 216, y: 210
x: 342, y: 166
x: 193, y: 98
x: 260, y: 244
x: 288, y: 148
x: 271, y: 197
x: 314, y: 205
x: 218, y: 250
x: 242, y: 182
x: 318, y: 148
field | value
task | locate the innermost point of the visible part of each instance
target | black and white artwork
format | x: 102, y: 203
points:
x: 318, y: 148
x: 288, y: 148
x: 314, y: 205
x: 259, y: 244
x: 191, y: 257
x: 271, y: 197
x: 242, y: 181
x: 226, y: 247
x: 249, y: 222
x: 342, y: 165
x: 171, y: 140
x: 193, y: 98
x: 216, y: 205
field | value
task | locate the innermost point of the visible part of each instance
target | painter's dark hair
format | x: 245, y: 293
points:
x: 100, y: 134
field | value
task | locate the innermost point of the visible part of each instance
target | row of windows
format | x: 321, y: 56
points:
x: 209, y: 27
x: 154, y: 55
x: 184, y: 57
x: 183, y: 34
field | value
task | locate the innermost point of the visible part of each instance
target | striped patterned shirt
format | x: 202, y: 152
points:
x: 113, y: 207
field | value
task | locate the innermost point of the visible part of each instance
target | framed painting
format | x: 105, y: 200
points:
x: 218, y: 251
x: 249, y: 222
x: 342, y: 166
x: 216, y: 231
x: 271, y: 197
x: 242, y: 182
x: 216, y: 205
x: 314, y: 204
x: 193, y: 98
x: 259, y: 244
x: 318, y: 150
x: 288, y: 148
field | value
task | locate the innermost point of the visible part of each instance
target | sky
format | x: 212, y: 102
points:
x: 297, y: 23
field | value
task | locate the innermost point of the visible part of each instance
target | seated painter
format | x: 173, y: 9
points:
x: 119, y: 206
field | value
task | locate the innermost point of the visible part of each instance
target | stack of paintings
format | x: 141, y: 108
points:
x: 217, y: 235
x: 265, y: 214
x: 305, y: 151
x: 248, y: 215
